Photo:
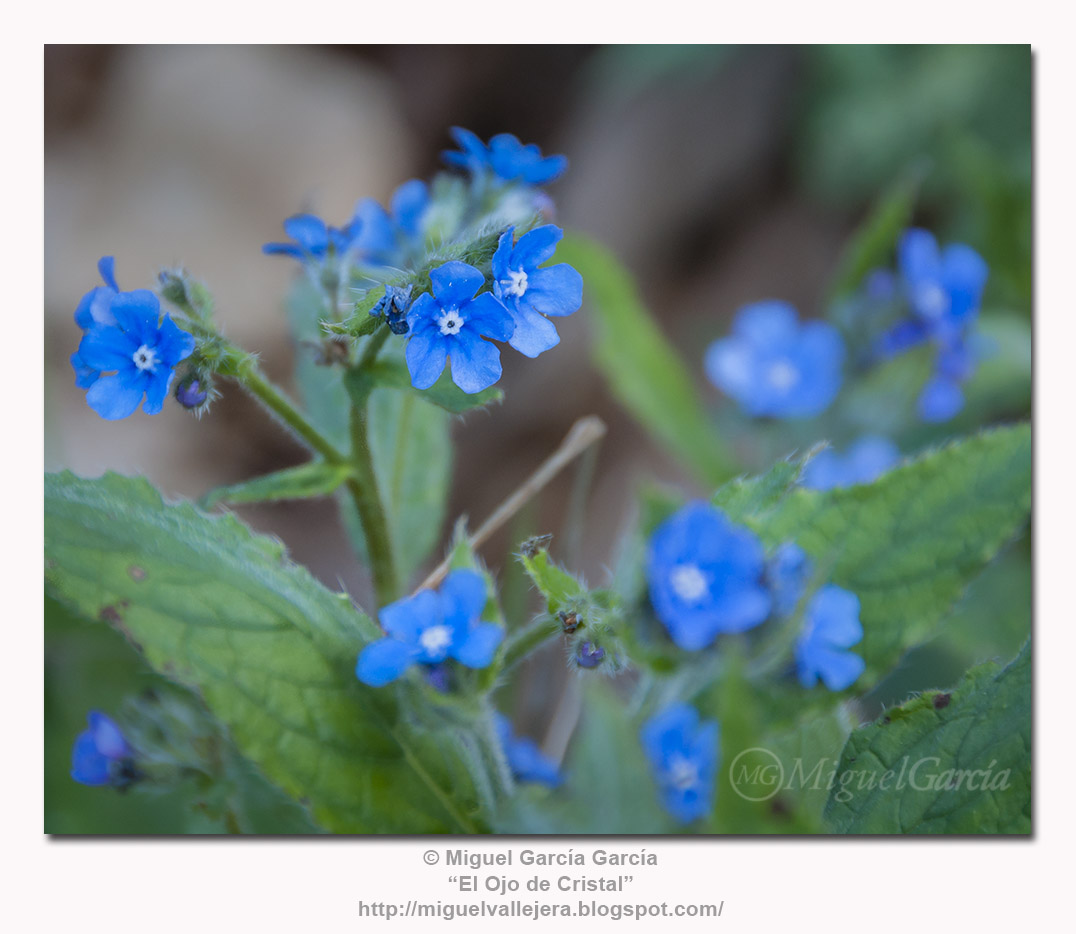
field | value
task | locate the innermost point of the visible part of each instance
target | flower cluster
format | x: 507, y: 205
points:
x: 708, y: 576
x: 431, y: 627
x: 940, y: 291
x: 128, y: 352
x: 683, y: 755
x: 504, y: 159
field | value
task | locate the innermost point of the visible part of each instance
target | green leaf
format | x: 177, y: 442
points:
x: 444, y: 393
x: 270, y: 650
x: 642, y: 368
x: 746, y: 496
x: 958, y: 762
x: 555, y: 584
x: 317, y: 478
x: 909, y: 544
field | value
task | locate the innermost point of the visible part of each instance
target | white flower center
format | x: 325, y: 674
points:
x: 145, y: 358
x: 435, y: 640
x: 516, y: 283
x: 688, y: 582
x: 682, y: 772
x: 450, y: 323
x: 783, y: 375
x: 932, y: 300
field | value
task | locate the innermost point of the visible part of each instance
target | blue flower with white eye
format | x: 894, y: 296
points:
x: 450, y: 325
x: 429, y: 628
x: 529, y: 292
x: 831, y: 627
x: 95, y: 308
x: 683, y: 754
x: 705, y: 576
x: 943, y: 287
x: 385, y: 237
x: 132, y: 351
x: 101, y: 755
x: 774, y: 366
x: 787, y: 573
x: 314, y: 239
x: 864, y: 462
x: 505, y: 157
x: 525, y: 759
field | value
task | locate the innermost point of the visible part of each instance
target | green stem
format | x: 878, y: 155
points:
x: 364, y: 491
x: 251, y: 378
x: 363, y: 486
x: 524, y: 641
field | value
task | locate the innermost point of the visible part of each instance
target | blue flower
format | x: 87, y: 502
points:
x: 524, y: 757
x: 943, y: 287
x: 866, y: 460
x: 128, y: 341
x: 431, y: 627
x: 505, y: 156
x: 101, y: 756
x: 95, y: 308
x: 384, y: 237
x: 451, y: 323
x: 683, y: 756
x: 831, y: 627
x: 530, y: 293
x: 787, y: 573
x: 774, y: 366
x: 705, y: 576
x: 313, y: 239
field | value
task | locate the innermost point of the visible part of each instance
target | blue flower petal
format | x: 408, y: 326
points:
x: 545, y: 170
x: 771, y: 323
x: 488, y: 316
x: 157, y: 391
x: 137, y: 314
x: 533, y: 333
x: 407, y: 618
x: 499, y: 264
x: 282, y: 249
x: 536, y: 246
x: 964, y: 273
x: 940, y: 399
x: 463, y: 596
x: 833, y: 616
x: 480, y: 645
x: 382, y: 662
x: 409, y: 203
x: 309, y: 232
x: 455, y: 283
x: 88, y: 765
x: 107, y: 736
x: 107, y: 349
x: 917, y: 256
x: 426, y: 354
x: 555, y: 290
x: 376, y: 236
x: 106, y: 266
x: 85, y: 376
x: 113, y: 397
x: 476, y: 364
x: 173, y: 344
x: 838, y: 670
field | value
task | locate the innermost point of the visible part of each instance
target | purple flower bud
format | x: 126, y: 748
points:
x: 589, y: 655
x: 191, y: 392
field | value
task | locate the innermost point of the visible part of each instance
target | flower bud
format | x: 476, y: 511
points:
x: 589, y: 655
x: 192, y: 392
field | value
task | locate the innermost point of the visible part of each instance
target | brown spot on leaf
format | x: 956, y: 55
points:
x: 110, y: 615
x: 941, y: 701
x: 137, y: 573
